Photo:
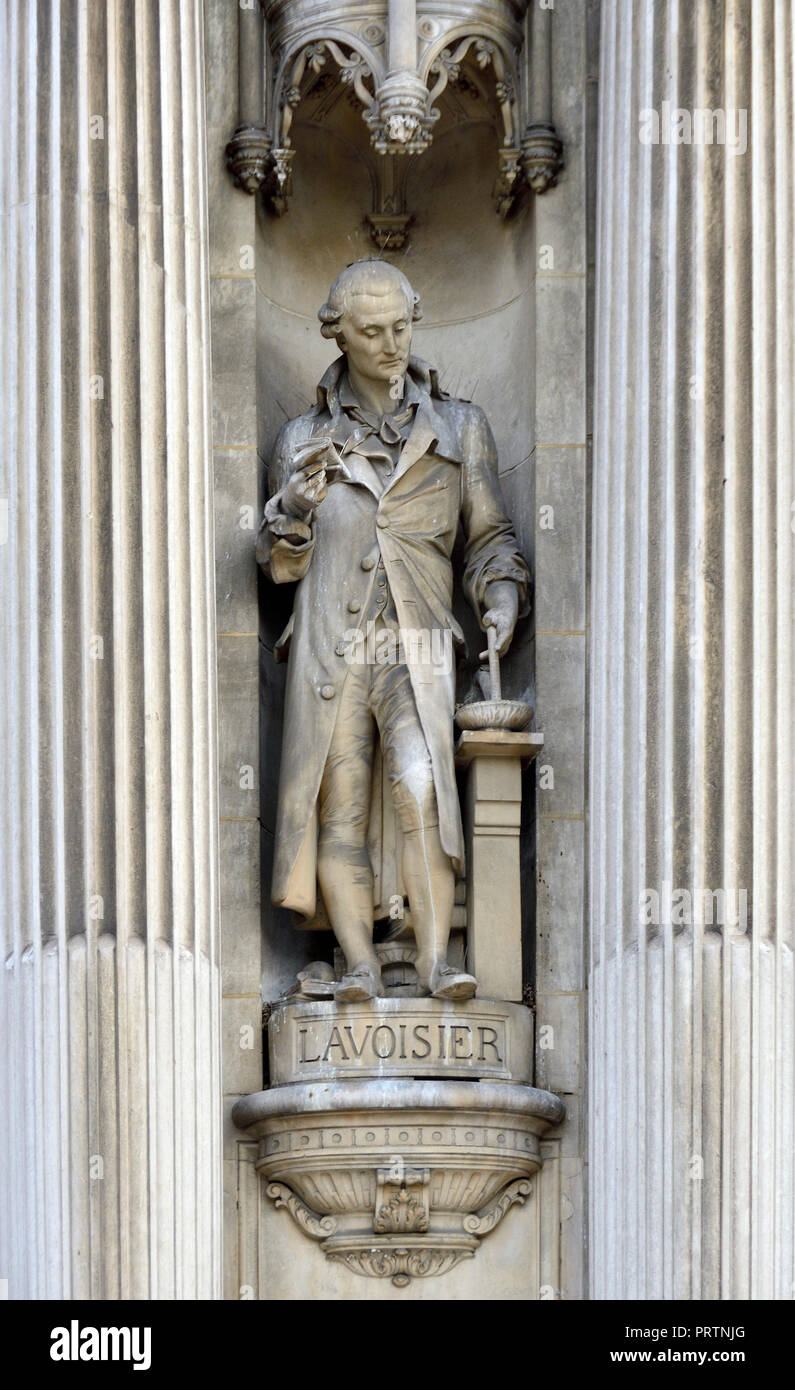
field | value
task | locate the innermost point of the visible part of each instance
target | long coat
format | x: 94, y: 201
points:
x: 446, y: 476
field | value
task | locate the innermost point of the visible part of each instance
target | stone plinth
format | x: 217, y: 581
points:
x: 398, y: 1179
x: 479, y: 1038
x: 493, y: 814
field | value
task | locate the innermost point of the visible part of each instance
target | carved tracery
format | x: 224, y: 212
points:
x: 397, y: 77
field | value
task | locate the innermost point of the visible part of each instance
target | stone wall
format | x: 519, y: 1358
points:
x: 238, y: 500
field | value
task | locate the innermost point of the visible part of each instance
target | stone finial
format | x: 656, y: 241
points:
x: 247, y: 156
x: 542, y: 156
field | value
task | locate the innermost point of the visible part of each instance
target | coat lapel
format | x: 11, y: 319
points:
x: 428, y: 428
x: 345, y: 435
x: 362, y: 473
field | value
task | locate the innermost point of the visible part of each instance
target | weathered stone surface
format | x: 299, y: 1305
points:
x: 563, y: 254
x: 561, y: 684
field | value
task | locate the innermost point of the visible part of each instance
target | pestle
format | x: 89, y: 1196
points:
x: 492, y: 712
x: 494, y: 664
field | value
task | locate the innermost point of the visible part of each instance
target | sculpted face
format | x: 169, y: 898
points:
x: 375, y: 330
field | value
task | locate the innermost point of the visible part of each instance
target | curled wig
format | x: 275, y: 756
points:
x: 355, y: 277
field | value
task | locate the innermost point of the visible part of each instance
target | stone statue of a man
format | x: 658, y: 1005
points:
x: 367, y: 492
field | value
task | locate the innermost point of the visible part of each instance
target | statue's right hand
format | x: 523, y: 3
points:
x: 308, y: 483
x: 305, y: 491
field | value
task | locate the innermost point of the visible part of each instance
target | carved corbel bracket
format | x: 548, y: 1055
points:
x: 395, y: 1178
x: 509, y: 179
x: 389, y: 231
x: 390, y: 219
x: 278, y: 180
x: 402, y: 1208
x: 396, y: 1249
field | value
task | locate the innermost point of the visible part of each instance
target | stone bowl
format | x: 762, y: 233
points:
x: 494, y: 714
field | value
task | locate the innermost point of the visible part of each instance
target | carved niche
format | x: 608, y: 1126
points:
x: 398, y: 1131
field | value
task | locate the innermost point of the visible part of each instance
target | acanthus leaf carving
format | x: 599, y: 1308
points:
x: 402, y: 1203
x: 399, y: 1264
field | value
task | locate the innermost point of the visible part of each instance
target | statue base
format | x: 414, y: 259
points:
x: 476, y: 1039
x: 394, y: 1178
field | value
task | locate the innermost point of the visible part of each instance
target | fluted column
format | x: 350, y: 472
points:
x: 691, y: 742
x: 109, y: 1079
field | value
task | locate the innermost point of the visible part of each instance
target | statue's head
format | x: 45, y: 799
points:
x: 370, y: 311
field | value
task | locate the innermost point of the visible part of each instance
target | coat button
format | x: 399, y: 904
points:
x: 327, y: 692
x: 368, y: 562
x: 381, y: 522
x: 382, y: 580
x: 340, y: 649
x: 354, y: 605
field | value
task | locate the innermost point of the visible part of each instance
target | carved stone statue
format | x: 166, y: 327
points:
x: 367, y: 493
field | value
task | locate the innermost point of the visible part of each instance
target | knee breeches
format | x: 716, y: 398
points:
x: 381, y: 696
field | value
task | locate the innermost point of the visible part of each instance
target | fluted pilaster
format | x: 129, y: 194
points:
x: 691, y: 1033
x: 109, y: 1085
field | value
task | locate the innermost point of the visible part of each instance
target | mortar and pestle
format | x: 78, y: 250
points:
x: 493, y: 713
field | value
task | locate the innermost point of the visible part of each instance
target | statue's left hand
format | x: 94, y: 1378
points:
x: 501, y: 614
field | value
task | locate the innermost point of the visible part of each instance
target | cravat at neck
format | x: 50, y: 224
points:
x: 388, y: 427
